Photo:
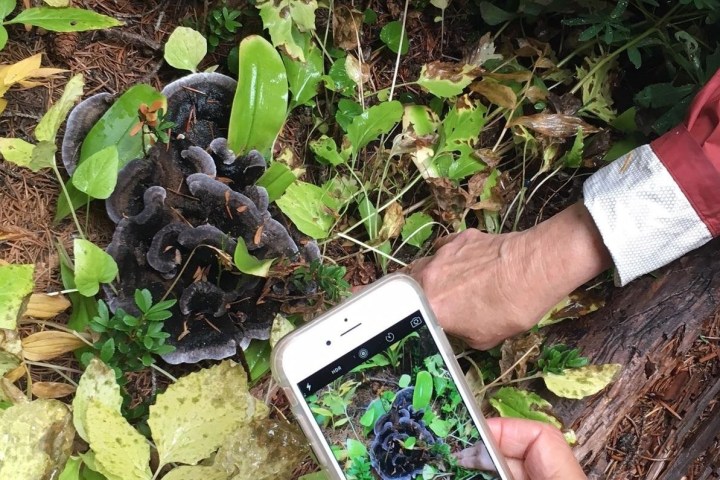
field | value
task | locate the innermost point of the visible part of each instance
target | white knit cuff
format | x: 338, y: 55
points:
x: 643, y: 216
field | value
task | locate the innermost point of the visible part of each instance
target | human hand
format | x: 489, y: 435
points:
x: 485, y: 288
x: 532, y: 450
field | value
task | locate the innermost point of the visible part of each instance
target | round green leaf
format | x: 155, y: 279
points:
x: 395, y: 37
x: 97, y: 175
x: 93, y: 266
x: 16, y: 284
x: 185, y: 49
x: 581, y: 382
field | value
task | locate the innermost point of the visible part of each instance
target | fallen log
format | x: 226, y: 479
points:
x: 649, y: 326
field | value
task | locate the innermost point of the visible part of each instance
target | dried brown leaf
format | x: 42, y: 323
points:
x: 49, y: 344
x: 347, y: 26
x: 46, y: 306
x: 52, y: 389
x: 518, y: 351
x: 496, y: 93
x: 554, y: 124
x: 393, y: 222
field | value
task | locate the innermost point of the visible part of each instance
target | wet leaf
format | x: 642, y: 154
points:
x: 97, y: 175
x: 17, y: 151
x: 417, y: 229
x: 262, y: 450
x: 395, y: 37
x: 516, y: 403
x: 554, y: 124
x: 120, y: 451
x: 372, y: 123
x: 281, y: 327
x: 67, y: 19
x: 52, y: 389
x: 97, y: 384
x: 311, y: 209
x: 249, y: 264
x: 16, y: 285
x: 276, y: 180
x: 304, y: 77
x: 185, y: 49
x: 446, y: 80
x: 393, y: 221
x: 284, y: 19
x: 10, y: 351
x: 93, y: 266
x: 496, y: 93
x: 261, y: 99
x: 581, y: 382
x: 197, y: 472
x: 49, y: 344
x: 45, y: 307
x: 326, y: 151
x: 199, y: 412
x: 50, y: 123
x: 35, y: 439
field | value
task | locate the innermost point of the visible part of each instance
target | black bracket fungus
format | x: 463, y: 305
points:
x: 389, y: 455
x: 179, y: 212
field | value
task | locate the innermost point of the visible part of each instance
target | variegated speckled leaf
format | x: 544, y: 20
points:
x: 16, y: 285
x: 198, y: 413
x: 96, y: 384
x: 196, y: 472
x: 581, y: 382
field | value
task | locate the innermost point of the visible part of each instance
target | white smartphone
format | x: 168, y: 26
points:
x: 376, y: 388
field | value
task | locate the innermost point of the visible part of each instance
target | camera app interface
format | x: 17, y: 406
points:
x: 390, y: 410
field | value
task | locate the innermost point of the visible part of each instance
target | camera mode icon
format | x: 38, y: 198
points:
x: 415, y: 322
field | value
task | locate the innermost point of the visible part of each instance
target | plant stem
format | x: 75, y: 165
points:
x: 164, y: 372
x: 67, y: 197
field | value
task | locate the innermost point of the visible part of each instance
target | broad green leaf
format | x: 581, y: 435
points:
x: 3, y: 42
x: 372, y: 123
x: 395, y: 37
x: 72, y: 469
x: 311, y: 209
x: 257, y: 357
x: 197, y: 472
x: 50, y: 123
x: 347, y: 110
x: 185, y: 49
x: 326, y: 151
x: 93, y: 266
x: 446, y: 80
x: 284, y: 19
x: 68, y: 19
x: 120, y: 451
x: 43, y: 156
x: 418, y: 228
x: 97, y: 384
x: 35, y: 439
x: 276, y: 180
x: 97, y: 175
x: 17, y: 151
x: 355, y: 448
x: 423, y: 390
x: 198, y: 413
x: 281, y: 326
x: 260, y: 103
x: 16, y: 285
x: 304, y: 77
x: 493, y: 15
x: 115, y: 125
x: 6, y: 8
x: 516, y: 403
x: 581, y: 382
x: 246, y: 263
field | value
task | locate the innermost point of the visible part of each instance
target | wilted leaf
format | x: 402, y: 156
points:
x: 311, y: 209
x: 358, y: 72
x: 497, y: 93
x: 97, y: 175
x: 518, y: 351
x: 516, y: 403
x: 581, y: 382
x: 97, y: 384
x: 185, y: 48
x: 483, y: 52
x: 447, y: 79
x: 246, y: 263
x: 262, y: 450
x: 283, y: 19
x: 347, y: 26
x: 554, y: 124
x: 197, y: 414
x: 52, y: 389
x: 45, y: 306
x: 197, y: 472
x: 93, y: 266
x: 35, y: 439
x: 120, y: 451
x: 16, y: 284
x: 417, y: 229
x: 372, y: 123
x: 575, y: 305
x: 281, y: 326
x: 41, y: 346
x: 50, y: 123
x: 10, y: 351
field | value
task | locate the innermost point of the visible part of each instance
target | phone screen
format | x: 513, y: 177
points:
x: 389, y: 409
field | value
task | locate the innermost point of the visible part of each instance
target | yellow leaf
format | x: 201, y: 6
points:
x: 49, y: 344
x: 17, y: 151
x: 3, y: 104
x: 46, y: 72
x: 281, y: 326
x: 52, y: 389
x: 97, y: 384
x: 499, y: 94
x: 581, y: 382
x: 58, y: 3
x: 46, y: 306
x: 21, y: 70
x: 197, y: 472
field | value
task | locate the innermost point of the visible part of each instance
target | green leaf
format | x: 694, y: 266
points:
x: 67, y: 19
x: 3, y: 37
x: 257, y: 357
x: 97, y: 175
x: 50, y: 123
x: 16, y: 285
x: 115, y: 125
x: 395, y: 37
x: 143, y: 299
x: 347, y: 110
x: 326, y: 151
x: 93, y: 266
x: 108, y: 350
x: 304, y: 77
x: 516, y: 403
x: 246, y: 263
x: 260, y: 103
x: 185, y: 49
x: 43, y: 156
x: 311, y: 209
x: 418, y: 228
x: 404, y: 380
x: 120, y: 451
x: 35, y: 439
x: 493, y: 15
x: 355, y: 448
x: 6, y: 8
x: 446, y: 80
x: 97, y: 384
x: 284, y: 19
x: 315, y: 476
x: 197, y: 414
x: 77, y: 198
x: 423, y: 390
x: 459, y: 132
x: 661, y: 95
x: 581, y: 382
x: 281, y: 326
x: 72, y: 469
x: 16, y: 151
x: 276, y: 180
x: 573, y: 158
x: 372, y: 123
x: 197, y: 472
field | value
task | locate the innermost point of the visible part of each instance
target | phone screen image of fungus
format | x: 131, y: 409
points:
x: 389, y: 409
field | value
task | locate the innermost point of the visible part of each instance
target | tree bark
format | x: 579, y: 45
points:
x: 648, y: 327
